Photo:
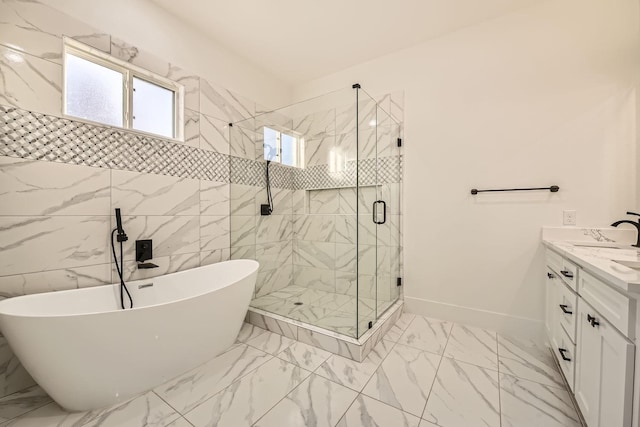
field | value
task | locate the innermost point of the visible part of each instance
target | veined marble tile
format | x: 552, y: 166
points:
x: 473, y: 345
x: 200, y: 384
x: 272, y: 280
x: 243, y: 199
x: 172, y: 235
x: 243, y: 252
x: 346, y: 257
x: 22, y: 402
x: 324, y: 201
x: 463, y: 395
x: 191, y: 128
x: 348, y: 198
x: 223, y: 104
x: 282, y: 200
x: 275, y: 305
x: 138, y: 193
x: 289, y: 330
x: 213, y: 257
x: 354, y: 374
x: 397, y: 106
x: 367, y: 255
x: 30, y: 83
x: 145, y: 410
x: 245, y: 143
x: 245, y: 401
x: 347, y: 282
x: 214, y: 198
x: 31, y: 187
x: 368, y: 412
x: 270, y: 342
x: 249, y: 331
x: 527, y: 360
x: 289, y: 292
x: 314, y: 278
x: 214, y: 134
x: 427, y: 334
x: 298, y: 202
x: 316, y: 402
x: 329, y: 343
x: 404, y: 379
x: 338, y: 321
x: 318, y: 228
x: 180, y: 422
x: 316, y: 124
x: 304, y: 355
x: 530, y: 404
x: 319, y: 151
x: 310, y: 314
x: 333, y: 301
x: 214, y: 232
x: 424, y: 423
x: 274, y: 228
x: 310, y: 296
x: 39, y: 243
x: 346, y: 229
x: 314, y: 254
x: 243, y: 230
x: 13, y: 376
x: 274, y: 255
x: 55, y: 280
x: 166, y: 265
x: 37, y: 29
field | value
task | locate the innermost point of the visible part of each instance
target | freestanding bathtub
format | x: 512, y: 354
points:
x: 87, y: 353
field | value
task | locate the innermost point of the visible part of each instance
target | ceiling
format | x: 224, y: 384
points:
x: 300, y: 40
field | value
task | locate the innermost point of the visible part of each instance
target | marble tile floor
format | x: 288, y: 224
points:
x: 328, y: 310
x: 424, y: 373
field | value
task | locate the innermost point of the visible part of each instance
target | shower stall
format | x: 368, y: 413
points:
x: 316, y: 200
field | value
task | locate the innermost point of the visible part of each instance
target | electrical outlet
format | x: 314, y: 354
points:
x: 569, y: 218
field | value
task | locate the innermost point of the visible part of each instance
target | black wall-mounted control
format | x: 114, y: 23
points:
x: 265, y: 210
x: 144, y: 250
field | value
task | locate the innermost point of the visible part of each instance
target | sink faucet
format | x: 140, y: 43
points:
x: 636, y: 224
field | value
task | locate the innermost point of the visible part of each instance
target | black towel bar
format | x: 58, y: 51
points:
x: 553, y: 189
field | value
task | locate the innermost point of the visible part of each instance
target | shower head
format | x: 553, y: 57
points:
x: 122, y: 236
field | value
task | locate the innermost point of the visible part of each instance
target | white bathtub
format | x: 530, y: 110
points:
x: 87, y: 353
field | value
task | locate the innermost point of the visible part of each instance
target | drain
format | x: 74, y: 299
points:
x: 297, y: 303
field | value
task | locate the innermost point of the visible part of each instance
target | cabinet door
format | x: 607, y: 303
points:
x: 604, y: 371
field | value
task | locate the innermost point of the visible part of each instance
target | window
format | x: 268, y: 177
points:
x: 103, y: 89
x: 283, y: 148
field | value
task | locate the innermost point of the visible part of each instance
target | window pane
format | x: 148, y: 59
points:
x: 289, y: 150
x: 93, y: 92
x: 271, y: 144
x: 153, y: 108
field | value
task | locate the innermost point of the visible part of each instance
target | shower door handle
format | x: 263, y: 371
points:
x: 375, y: 212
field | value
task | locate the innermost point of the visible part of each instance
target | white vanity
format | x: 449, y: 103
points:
x: 591, y: 321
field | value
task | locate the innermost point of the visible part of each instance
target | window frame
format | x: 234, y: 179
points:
x: 299, y: 147
x: 128, y: 71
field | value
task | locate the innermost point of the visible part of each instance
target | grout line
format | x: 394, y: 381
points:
x: 435, y: 378
x: 167, y: 403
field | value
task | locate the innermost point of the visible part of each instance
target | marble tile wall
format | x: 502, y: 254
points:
x: 61, y: 178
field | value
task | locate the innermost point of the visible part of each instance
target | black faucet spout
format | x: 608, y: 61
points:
x: 635, y: 224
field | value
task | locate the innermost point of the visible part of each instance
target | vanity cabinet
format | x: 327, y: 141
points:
x: 604, y: 371
x: 588, y: 325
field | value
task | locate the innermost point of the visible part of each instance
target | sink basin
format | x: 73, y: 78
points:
x: 631, y: 264
x: 611, y: 245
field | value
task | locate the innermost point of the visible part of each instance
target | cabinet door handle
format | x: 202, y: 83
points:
x: 564, y: 307
x: 567, y: 274
x: 591, y: 319
x: 550, y: 275
x: 562, y: 351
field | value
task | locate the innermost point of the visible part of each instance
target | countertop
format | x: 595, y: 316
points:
x: 600, y: 263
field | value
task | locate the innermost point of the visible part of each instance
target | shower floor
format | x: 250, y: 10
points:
x: 327, y: 310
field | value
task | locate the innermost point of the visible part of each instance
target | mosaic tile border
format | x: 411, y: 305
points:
x: 35, y: 136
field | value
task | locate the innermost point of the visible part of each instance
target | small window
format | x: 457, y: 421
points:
x: 103, y: 89
x: 282, y: 147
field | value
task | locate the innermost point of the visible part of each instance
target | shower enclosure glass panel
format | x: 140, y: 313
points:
x: 323, y: 259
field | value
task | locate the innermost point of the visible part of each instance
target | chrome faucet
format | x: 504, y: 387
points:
x: 636, y: 224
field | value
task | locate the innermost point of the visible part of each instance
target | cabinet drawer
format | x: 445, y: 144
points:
x: 567, y: 310
x: 612, y: 305
x: 554, y: 261
x: 569, y: 274
x: 565, y: 352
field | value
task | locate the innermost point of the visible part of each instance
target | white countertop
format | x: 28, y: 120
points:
x: 599, y: 261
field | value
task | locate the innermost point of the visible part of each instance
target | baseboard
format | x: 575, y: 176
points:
x: 499, y: 322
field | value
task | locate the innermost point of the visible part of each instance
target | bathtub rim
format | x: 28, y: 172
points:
x: 7, y: 302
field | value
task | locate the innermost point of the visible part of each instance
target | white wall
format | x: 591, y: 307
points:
x: 545, y: 95
x: 178, y: 43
